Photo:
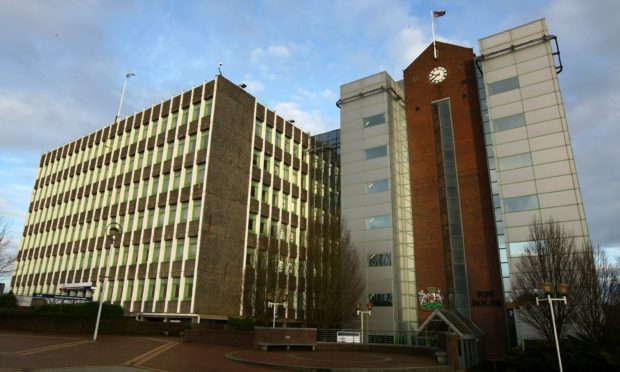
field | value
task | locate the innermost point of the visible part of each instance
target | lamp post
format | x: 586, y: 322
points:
x: 112, y: 232
x: 120, y: 105
x: 562, y: 290
x: 361, y: 313
x: 273, y: 303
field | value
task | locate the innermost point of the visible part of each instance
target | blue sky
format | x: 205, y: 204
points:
x: 63, y: 64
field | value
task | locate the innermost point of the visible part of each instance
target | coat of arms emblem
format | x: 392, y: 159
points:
x: 430, y: 299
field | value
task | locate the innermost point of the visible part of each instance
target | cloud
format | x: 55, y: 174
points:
x: 310, y: 121
x: 274, y: 51
x: 253, y: 86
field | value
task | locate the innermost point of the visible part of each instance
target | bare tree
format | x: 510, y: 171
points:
x: 552, y: 256
x: 334, y: 279
x: 598, y: 278
x: 6, y: 257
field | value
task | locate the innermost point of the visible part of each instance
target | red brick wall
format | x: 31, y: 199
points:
x: 475, y: 196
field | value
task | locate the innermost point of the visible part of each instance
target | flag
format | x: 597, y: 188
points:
x: 439, y: 13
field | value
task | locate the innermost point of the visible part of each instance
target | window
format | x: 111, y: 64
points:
x: 196, y: 209
x: 193, y: 247
x: 176, y: 288
x: 163, y: 287
x: 256, y: 158
x: 180, y: 146
x: 140, y: 289
x: 164, y: 185
x: 175, y: 118
x: 515, y: 161
x: 134, y: 254
x: 189, y: 172
x: 376, y: 152
x: 161, y: 217
x: 377, y: 186
x: 503, y: 85
x: 156, y: 250
x: 196, y: 112
x: 184, y: 211
x: 192, y: 143
x: 520, y: 203
x: 258, y: 128
x: 150, y: 217
x: 278, y: 139
x: 371, y: 121
x: 208, y: 103
x: 177, y: 180
x: 268, y: 134
x: 201, y: 173
x: 189, y: 286
x: 250, y: 258
x: 172, y: 215
x: 167, y: 251
x: 274, y: 199
x: 264, y: 225
x: 379, y: 259
x: 266, y: 163
x: 379, y: 222
x: 254, y: 190
x: 179, y: 250
x: 509, y: 122
x: 204, y: 139
x: 380, y: 299
x: 169, y: 149
x: 252, y: 223
x: 517, y: 248
x: 150, y: 294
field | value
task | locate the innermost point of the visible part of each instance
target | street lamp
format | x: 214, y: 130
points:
x: 361, y: 313
x: 112, y: 232
x: 562, y: 290
x: 273, y: 303
x: 120, y: 105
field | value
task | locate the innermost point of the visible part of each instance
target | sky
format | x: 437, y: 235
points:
x: 63, y: 64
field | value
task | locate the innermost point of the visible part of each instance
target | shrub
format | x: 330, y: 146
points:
x: 8, y: 301
x: 243, y: 323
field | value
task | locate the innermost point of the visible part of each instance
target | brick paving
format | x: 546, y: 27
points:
x: 55, y: 352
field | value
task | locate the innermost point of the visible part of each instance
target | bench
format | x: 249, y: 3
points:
x: 264, y: 346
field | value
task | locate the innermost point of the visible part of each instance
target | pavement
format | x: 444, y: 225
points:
x: 23, y: 351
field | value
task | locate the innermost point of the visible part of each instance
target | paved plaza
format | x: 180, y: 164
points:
x: 20, y: 351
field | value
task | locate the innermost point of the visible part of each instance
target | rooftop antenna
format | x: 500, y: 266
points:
x: 219, y: 67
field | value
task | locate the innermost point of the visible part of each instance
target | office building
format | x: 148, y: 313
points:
x: 486, y: 151
x: 376, y: 199
x: 211, y: 190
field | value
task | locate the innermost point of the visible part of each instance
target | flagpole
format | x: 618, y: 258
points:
x: 433, y: 27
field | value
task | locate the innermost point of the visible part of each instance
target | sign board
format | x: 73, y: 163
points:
x: 75, y: 286
x: 61, y: 297
x: 348, y: 337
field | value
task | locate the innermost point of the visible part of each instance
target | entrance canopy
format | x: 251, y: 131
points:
x: 452, y: 321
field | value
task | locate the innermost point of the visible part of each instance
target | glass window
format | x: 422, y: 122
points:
x: 173, y: 214
x: 268, y: 134
x: 517, y: 248
x: 196, y: 112
x: 379, y: 259
x: 185, y: 116
x: 264, y: 225
x: 376, y: 152
x: 509, y: 122
x: 373, y: 120
x: 201, y: 173
x: 192, y: 143
x: 204, y: 139
x: 252, y: 223
x: 196, y: 209
x: 377, y: 186
x: 163, y: 287
x: 189, y: 286
x: 156, y: 250
x: 208, y: 103
x: 520, y: 203
x: 179, y: 250
x: 503, y: 85
x: 184, y: 211
x: 379, y: 222
x: 258, y: 128
x: 176, y: 288
x: 256, y: 158
x: 254, y: 190
x: 515, y: 161
x: 193, y: 247
x: 380, y: 299
x: 168, y: 251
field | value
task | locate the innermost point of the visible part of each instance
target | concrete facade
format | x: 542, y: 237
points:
x: 376, y: 199
x: 203, y: 184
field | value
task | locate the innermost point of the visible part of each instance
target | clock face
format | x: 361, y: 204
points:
x: 438, y: 74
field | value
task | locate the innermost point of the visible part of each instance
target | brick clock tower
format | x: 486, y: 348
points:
x: 455, y: 238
